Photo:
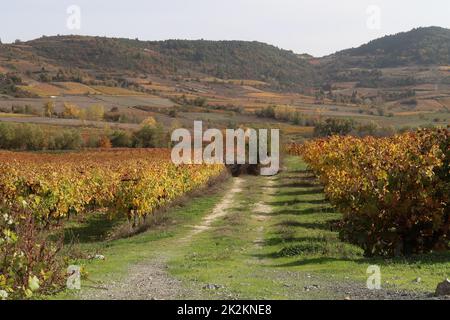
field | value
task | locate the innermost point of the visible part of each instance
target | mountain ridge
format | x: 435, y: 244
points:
x: 232, y: 59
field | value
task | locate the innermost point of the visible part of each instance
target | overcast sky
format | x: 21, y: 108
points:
x: 318, y: 27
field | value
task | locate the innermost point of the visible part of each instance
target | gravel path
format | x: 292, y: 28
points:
x: 150, y: 280
x: 219, y: 211
x: 145, y: 281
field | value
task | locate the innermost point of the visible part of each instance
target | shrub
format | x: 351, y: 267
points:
x: 105, y: 142
x: 29, y: 264
x: 121, y: 139
x: 71, y: 111
x: 21, y: 137
x: 49, y: 109
x: 150, y: 137
x: 333, y: 126
x: 267, y: 112
x: 149, y: 122
x: 32, y: 137
x: 66, y: 140
x: 95, y: 112
x: 393, y: 192
x: 91, y: 141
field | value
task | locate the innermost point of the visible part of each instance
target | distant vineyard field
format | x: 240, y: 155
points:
x: 59, y: 88
x: 117, y: 91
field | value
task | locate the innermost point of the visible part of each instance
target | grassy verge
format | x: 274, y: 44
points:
x: 302, y: 238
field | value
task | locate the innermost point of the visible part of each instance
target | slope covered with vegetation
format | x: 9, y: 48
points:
x: 81, y: 57
x: 420, y: 46
x: 222, y: 59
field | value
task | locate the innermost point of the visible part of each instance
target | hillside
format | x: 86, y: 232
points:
x: 420, y: 56
x: 78, y: 58
x: 420, y: 46
x: 221, y: 59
